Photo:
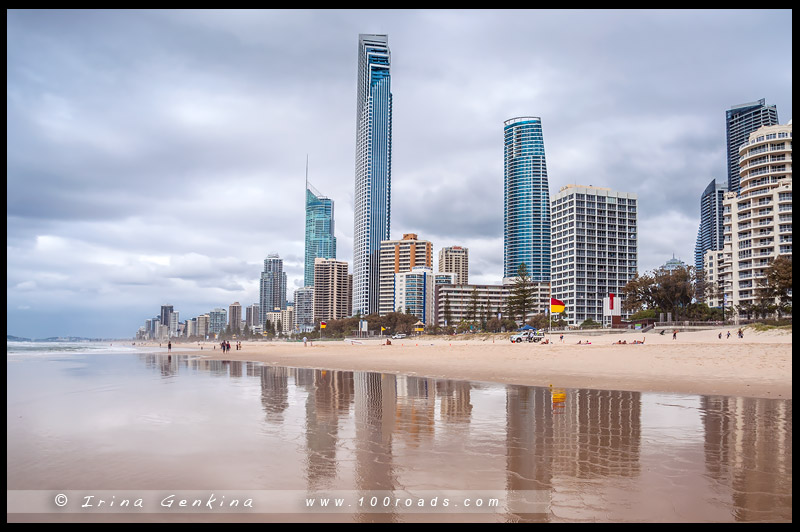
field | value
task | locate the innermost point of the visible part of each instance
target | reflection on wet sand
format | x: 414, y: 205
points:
x: 748, y: 446
x: 598, y: 454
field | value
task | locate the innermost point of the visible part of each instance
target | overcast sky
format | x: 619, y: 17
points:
x: 158, y: 157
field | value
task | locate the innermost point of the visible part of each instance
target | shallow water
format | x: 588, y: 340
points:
x: 141, y: 424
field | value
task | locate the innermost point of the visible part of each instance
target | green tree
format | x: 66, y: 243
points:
x: 777, y: 283
x: 671, y: 290
x: 520, y: 300
x: 472, y: 310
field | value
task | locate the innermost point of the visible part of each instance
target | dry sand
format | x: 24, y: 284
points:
x: 697, y: 362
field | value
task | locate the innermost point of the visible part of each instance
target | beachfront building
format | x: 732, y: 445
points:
x: 320, y: 241
x: 191, y: 328
x: 217, y: 320
x: 332, y: 290
x: 758, y: 220
x: 304, y: 309
x: 272, y: 289
x: 282, y: 320
x: 594, y: 248
x: 397, y: 256
x: 526, y: 198
x: 454, y: 303
x: 740, y: 121
x: 252, y: 316
x: 166, y: 310
x: 709, y: 234
x: 372, y: 199
x: 455, y: 259
x: 203, y: 322
x: 174, y: 320
x: 235, y: 317
x: 415, y: 292
x: 717, y: 277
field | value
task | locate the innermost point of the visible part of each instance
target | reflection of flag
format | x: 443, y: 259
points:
x: 556, y: 306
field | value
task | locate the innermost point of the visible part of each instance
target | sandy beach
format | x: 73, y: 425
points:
x: 696, y: 362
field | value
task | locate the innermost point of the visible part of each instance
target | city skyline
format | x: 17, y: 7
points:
x: 157, y: 156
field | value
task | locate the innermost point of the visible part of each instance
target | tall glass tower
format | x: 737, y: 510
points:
x: 320, y: 242
x: 740, y: 121
x: 526, y: 197
x: 373, y: 168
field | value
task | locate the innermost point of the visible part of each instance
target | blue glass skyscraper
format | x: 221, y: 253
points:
x: 740, y: 121
x: 373, y: 168
x: 320, y: 242
x: 709, y: 234
x: 526, y: 197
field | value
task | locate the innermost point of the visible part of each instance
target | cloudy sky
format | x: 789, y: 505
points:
x: 157, y: 157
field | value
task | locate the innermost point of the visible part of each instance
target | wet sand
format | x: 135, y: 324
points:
x: 696, y: 362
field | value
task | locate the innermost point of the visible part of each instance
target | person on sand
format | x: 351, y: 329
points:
x: 305, y: 340
x: 562, y: 338
x: 169, y: 347
x: 388, y: 342
x: 675, y: 334
x: 729, y: 335
x: 720, y: 335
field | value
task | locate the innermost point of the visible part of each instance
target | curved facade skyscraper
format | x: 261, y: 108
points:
x: 526, y: 197
x: 372, y: 207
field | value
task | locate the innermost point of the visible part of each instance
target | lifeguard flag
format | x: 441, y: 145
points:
x: 556, y: 306
x: 322, y: 324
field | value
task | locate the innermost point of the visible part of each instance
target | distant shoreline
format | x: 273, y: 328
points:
x: 697, y: 362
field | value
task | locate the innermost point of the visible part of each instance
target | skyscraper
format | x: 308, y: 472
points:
x: 235, y: 316
x: 455, y: 259
x: 373, y: 168
x: 594, y: 248
x: 709, y: 234
x: 397, y: 256
x: 740, y: 121
x: 272, y: 294
x: 166, y: 310
x: 331, y: 290
x: 526, y: 199
x: 320, y: 242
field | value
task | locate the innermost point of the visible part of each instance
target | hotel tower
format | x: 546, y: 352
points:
x: 526, y: 199
x: 373, y: 168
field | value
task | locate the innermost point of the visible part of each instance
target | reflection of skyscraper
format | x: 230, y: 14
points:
x: 373, y: 167
x: 454, y: 397
x: 529, y: 443
x: 328, y: 401
x: 375, y: 403
x: 748, y: 446
x: 274, y: 392
x: 415, y: 411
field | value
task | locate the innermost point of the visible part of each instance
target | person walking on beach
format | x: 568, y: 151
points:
x: 720, y: 335
x: 561, y: 338
x: 675, y: 334
x: 729, y: 335
x: 169, y: 347
x: 305, y: 339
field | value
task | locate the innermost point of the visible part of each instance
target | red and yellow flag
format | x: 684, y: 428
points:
x: 556, y: 306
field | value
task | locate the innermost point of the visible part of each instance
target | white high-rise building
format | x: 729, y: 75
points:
x: 594, y: 248
x: 415, y: 292
x: 758, y: 220
x: 304, y: 309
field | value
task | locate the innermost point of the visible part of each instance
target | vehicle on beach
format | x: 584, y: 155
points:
x: 527, y: 336
x: 398, y: 336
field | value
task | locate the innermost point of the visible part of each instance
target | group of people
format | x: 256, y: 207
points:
x: 226, y: 346
x: 625, y: 342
